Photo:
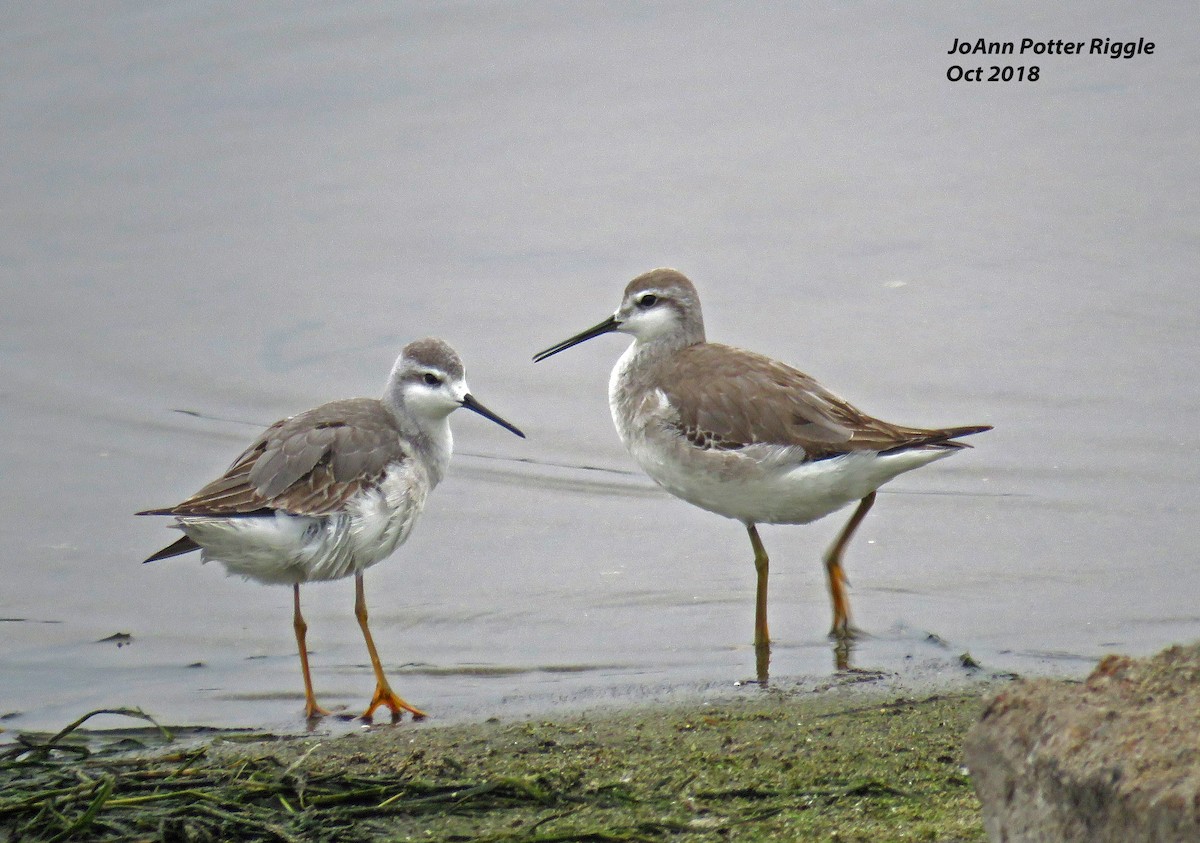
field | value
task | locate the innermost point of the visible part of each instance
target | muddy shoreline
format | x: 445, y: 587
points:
x: 858, y: 757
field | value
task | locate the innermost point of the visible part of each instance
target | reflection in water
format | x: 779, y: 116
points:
x: 762, y: 663
x: 843, y: 648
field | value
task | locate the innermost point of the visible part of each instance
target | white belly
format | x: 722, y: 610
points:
x: 288, y: 549
x: 738, y: 485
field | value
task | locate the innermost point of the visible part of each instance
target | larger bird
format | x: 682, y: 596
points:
x: 745, y: 436
x: 330, y: 492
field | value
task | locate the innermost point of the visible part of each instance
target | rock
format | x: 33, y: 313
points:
x: 1115, y: 759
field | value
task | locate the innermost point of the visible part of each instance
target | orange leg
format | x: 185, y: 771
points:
x: 762, y: 637
x: 837, y: 577
x: 311, y: 709
x: 384, y: 695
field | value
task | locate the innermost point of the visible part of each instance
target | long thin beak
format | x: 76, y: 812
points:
x: 607, y: 326
x: 471, y: 404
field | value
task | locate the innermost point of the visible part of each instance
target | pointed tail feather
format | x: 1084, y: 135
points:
x: 170, y: 510
x: 184, y: 545
x: 939, y: 438
x: 956, y: 432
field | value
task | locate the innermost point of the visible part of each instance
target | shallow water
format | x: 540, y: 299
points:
x: 243, y: 214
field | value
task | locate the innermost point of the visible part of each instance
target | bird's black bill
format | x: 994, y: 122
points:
x: 607, y: 326
x: 471, y: 404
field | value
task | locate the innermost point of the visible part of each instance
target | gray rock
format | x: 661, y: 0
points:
x: 1115, y: 759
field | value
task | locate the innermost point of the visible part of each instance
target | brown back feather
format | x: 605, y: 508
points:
x: 729, y: 398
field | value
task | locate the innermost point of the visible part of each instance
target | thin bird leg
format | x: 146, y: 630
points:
x: 837, y: 577
x: 384, y: 695
x: 311, y: 709
x: 762, y: 637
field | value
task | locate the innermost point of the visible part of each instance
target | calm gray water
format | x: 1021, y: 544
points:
x: 243, y: 212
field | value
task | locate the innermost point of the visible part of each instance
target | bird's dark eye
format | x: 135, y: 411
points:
x: 647, y: 301
x: 432, y: 379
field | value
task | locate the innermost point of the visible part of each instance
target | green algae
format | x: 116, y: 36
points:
x: 775, y: 767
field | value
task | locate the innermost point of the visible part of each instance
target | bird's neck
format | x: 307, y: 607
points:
x: 637, y: 366
x: 430, y: 438
x: 438, y: 444
x: 645, y: 352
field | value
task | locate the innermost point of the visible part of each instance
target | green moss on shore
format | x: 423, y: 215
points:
x: 776, y: 767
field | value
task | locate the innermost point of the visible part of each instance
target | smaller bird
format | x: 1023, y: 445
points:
x: 329, y: 492
x: 745, y: 436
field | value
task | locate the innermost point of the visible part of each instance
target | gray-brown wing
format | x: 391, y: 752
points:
x: 729, y: 398
x: 309, y: 464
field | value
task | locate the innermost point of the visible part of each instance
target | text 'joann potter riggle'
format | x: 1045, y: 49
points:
x: 1053, y: 47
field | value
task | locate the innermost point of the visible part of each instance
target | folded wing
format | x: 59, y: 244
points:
x: 310, y: 464
x: 727, y: 398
